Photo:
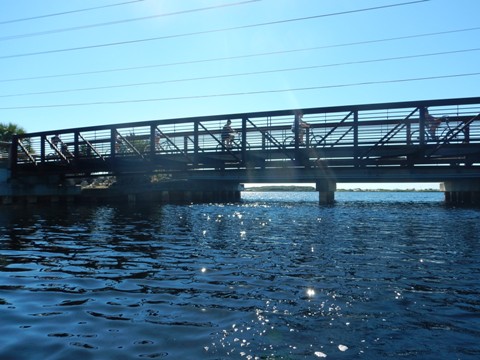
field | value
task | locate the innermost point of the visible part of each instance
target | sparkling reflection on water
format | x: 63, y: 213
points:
x: 377, y: 275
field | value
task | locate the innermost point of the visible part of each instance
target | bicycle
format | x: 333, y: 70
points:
x: 452, y: 134
x: 235, y: 144
x: 163, y: 146
x: 60, y: 152
x: 446, y: 132
x: 314, y: 140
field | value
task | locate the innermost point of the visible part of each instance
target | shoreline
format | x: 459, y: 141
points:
x: 312, y: 189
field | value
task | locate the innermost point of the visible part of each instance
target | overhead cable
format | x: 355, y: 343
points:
x: 245, y: 93
x: 67, y: 12
x: 189, y: 62
x: 240, y: 74
x: 136, y: 41
x: 83, y: 27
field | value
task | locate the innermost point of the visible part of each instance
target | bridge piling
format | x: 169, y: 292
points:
x: 326, y: 192
x: 462, y: 192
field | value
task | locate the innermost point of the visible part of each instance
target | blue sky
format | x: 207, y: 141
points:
x: 90, y: 62
x: 208, y: 39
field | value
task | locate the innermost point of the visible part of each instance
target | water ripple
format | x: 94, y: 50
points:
x: 276, y: 276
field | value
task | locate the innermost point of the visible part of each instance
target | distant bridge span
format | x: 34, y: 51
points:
x: 389, y: 142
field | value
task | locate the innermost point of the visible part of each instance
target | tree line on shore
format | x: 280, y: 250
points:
x: 301, y: 188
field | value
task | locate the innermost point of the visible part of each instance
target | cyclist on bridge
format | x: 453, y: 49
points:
x: 228, y: 134
x: 432, y: 123
x: 58, y: 144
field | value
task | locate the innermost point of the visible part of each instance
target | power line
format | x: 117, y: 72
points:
x: 260, y: 92
x: 242, y: 74
x: 126, y: 42
x: 83, y: 27
x: 67, y: 12
x: 365, y: 42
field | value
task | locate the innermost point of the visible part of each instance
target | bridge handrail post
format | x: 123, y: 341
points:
x: 13, y: 153
x: 296, y: 128
x: 76, y: 149
x: 408, y: 133
x: 42, y: 148
x: 244, y: 138
x: 113, y: 142
x: 151, y: 140
x: 421, y: 124
x: 466, y: 132
x: 355, y: 138
x: 195, y: 142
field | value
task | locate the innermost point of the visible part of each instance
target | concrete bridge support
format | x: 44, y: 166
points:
x: 54, y: 189
x: 462, y: 192
x: 326, y: 192
x: 36, y: 189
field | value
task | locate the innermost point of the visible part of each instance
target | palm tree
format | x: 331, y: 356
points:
x: 8, y: 130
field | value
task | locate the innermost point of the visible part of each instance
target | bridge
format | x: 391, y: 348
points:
x: 388, y: 142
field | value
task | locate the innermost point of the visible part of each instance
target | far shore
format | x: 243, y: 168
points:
x: 310, y: 188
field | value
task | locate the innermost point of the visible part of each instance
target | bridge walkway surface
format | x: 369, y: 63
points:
x: 389, y: 142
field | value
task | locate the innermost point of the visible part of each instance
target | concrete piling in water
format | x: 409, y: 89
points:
x: 462, y: 192
x: 326, y: 192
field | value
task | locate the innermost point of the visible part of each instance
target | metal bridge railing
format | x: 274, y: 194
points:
x: 349, y: 133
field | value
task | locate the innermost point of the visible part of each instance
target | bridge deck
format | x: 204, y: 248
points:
x: 377, y: 142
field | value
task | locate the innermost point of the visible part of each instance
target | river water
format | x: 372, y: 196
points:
x: 375, y: 276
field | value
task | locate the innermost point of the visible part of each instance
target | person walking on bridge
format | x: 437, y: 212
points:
x: 299, y: 127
